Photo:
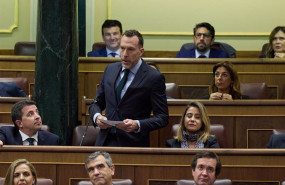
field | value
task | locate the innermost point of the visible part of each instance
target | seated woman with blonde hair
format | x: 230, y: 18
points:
x: 21, y: 171
x: 276, y: 46
x: 194, y: 129
x: 225, y: 84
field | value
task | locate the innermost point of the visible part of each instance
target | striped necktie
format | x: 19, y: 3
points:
x: 122, y: 84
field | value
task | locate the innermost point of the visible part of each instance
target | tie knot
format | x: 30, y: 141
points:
x: 31, y: 141
x: 126, y: 71
x: 113, y: 54
x: 202, y: 56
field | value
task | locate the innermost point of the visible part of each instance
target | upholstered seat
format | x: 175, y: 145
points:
x: 90, y: 137
x: 98, y: 45
x: 20, y: 81
x: 25, y: 48
x: 115, y: 182
x: 172, y: 91
x: 217, y: 45
x: 264, y: 48
x: 217, y: 182
x: 39, y: 181
x: 278, y: 131
x: 255, y: 90
x: 215, y: 129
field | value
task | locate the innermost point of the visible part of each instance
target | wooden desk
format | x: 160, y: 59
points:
x: 248, y: 123
x: 189, y: 74
x: 148, y: 166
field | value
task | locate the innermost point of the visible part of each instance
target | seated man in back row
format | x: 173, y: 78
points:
x: 27, y: 127
x: 111, y: 34
x: 204, y: 37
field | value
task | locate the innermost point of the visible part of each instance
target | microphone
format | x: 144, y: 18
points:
x: 85, y: 132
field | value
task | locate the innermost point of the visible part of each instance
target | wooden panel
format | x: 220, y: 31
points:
x: 6, y: 104
x: 192, y: 73
x: 164, y: 54
x: 239, y: 118
x: 145, y: 166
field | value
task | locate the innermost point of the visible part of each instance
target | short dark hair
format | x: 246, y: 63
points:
x: 16, y: 111
x: 94, y: 155
x: 207, y: 154
x: 206, y: 25
x: 132, y: 33
x: 112, y: 23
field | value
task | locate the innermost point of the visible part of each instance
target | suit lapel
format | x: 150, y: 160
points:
x: 114, y: 77
x: 140, y: 75
x: 18, y: 138
x: 41, y: 140
x: 192, y: 53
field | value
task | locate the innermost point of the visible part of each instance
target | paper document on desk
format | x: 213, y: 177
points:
x: 113, y: 123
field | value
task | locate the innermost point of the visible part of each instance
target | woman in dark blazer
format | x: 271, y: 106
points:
x: 225, y: 84
x: 194, y: 129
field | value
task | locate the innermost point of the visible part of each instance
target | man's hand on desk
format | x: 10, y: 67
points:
x: 1, y: 143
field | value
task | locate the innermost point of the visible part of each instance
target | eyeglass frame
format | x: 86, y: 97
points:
x: 205, y: 35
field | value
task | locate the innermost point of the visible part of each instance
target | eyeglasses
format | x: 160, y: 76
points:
x: 206, y: 35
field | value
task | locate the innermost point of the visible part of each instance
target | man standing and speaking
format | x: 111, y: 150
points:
x: 129, y: 92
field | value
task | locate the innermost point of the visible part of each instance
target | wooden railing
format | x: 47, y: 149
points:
x: 148, y: 166
x: 248, y: 123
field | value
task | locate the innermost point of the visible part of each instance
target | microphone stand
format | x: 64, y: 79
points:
x: 84, y: 134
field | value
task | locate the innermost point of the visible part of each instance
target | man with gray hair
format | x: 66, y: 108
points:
x: 100, y: 168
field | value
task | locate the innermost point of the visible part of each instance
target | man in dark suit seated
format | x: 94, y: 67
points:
x: 111, y: 34
x: 204, y: 37
x: 129, y: 91
x: 276, y: 141
x: 27, y: 127
x: 11, y: 89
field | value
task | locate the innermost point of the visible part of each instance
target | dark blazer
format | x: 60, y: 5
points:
x: 145, y: 94
x: 98, y: 53
x: 276, y: 141
x: 11, y: 89
x: 11, y: 136
x: 214, y: 53
x: 210, y: 143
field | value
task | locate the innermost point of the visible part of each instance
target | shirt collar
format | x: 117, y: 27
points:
x: 135, y: 69
x: 109, y: 51
x: 207, y: 54
x: 25, y: 136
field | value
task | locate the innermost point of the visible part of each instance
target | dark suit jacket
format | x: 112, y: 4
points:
x: 98, y: 53
x: 11, y: 89
x: 210, y: 143
x: 145, y: 94
x: 10, y: 135
x: 276, y: 141
x: 214, y: 53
